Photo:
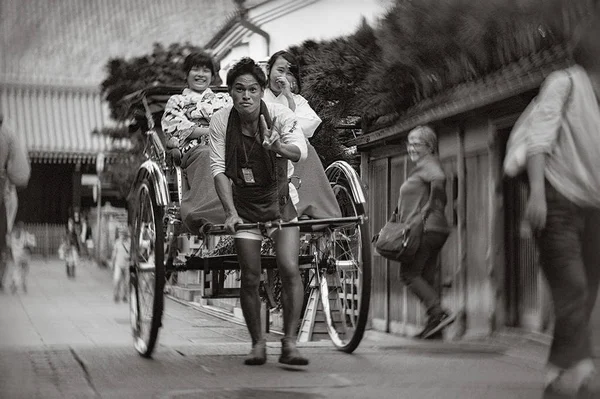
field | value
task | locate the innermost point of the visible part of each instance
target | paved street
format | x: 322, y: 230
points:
x: 67, y: 339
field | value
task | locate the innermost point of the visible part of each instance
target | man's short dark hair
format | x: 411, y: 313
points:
x: 198, y: 59
x: 246, y: 66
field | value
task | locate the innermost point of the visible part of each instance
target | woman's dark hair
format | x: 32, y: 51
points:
x: 198, y: 59
x: 246, y: 66
x: 294, y: 67
x: 587, y: 43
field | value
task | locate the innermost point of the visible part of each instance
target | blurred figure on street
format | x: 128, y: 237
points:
x: 85, y: 239
x: 69, y: 249
x: 120, y: 264
x: 563, y: 211
x: 20, y: 245
x: 423, y: 196
x: 14, y: 174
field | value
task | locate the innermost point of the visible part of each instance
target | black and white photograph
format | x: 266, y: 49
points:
x: 231, y: 199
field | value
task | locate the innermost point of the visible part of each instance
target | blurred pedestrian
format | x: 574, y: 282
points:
x: 21, y: 244
x: 563, y: 210
x: 14, y: 173
x: 423, y: 196
x: 69, y: 249
x: 120, y: 264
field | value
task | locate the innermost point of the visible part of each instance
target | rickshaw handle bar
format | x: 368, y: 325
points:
x: 220, y: 228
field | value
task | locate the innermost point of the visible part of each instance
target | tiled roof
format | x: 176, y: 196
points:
x: 70, y: 41
x: 519, y: 77
x: 56, y: 123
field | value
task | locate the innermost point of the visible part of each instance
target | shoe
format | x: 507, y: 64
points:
x: 290, y: 354
x: 557, y: 390
x: 590, y: 388
x: 437, y: 323
x: 438, y: 336
x: 124, y: 299
x: 258, y: 354
x: 116, y: 299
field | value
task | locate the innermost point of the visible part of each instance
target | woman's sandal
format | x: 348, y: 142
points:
x: 290, y: 354
x: 258, y: 354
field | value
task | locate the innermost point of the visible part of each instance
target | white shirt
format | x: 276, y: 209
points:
x: 307, y: 118
x: 286, y: 125
x: 572, y: 143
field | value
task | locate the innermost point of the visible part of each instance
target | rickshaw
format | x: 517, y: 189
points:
x: 336, y: 253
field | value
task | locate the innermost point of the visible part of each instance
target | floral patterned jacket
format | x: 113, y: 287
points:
x: 190, y: 109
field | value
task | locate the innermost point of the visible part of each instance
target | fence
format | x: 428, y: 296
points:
x: 48, y: 237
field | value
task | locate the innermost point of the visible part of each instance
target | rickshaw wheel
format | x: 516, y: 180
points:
x: 147, y: 272
x: 345, y: 270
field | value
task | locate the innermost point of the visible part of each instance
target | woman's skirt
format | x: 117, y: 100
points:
x: 200, y: 203
x: 317, y: 199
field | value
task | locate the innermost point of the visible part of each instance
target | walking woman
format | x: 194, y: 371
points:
x: 251, y: 146
x: 423, y: 195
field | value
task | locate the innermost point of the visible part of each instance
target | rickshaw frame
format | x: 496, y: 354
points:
x: 154, y: 200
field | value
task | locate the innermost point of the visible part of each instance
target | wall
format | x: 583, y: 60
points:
x: 468, y: 279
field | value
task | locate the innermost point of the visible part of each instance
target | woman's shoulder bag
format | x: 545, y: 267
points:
x: 399, y: 241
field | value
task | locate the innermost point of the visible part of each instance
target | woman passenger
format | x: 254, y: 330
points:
x: 185, y: 123
x: 317, y: 200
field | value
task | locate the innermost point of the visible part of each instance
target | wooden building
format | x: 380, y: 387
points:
x: 489, y: 274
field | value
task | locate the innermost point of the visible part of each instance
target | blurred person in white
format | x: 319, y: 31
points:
x: 21, y: 244
x: 563, y: 210
x: 120, y: 264
x: 14, y: 174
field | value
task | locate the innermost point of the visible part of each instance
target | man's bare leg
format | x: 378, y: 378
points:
x: 250, y: 266
x: 287, y: 244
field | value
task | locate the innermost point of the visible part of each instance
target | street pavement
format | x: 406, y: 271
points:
x: 68, y: 339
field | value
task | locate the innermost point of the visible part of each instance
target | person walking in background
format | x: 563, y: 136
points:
x: 14, y: 174
x: 21, y: 244
x: 69, y: 249
x: 120, y: 264
x: 423, y: 195
x: 563, y: 210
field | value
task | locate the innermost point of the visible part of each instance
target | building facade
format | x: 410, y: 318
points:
x: 489, y: 273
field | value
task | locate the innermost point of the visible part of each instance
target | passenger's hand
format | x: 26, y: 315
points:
x: 284, y: 85
x: 271, y: 136
x: 231, y: 222
x: 536, y: 211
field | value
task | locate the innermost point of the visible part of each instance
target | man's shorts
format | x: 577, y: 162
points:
x: 257, y: 234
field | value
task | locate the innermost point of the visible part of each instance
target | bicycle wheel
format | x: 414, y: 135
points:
x: 345, y: 272
x: 147, y: 272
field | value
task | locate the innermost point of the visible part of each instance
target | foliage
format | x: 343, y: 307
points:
x: 331, y: 76
x: 428, y: 46
x: 163, y: 66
